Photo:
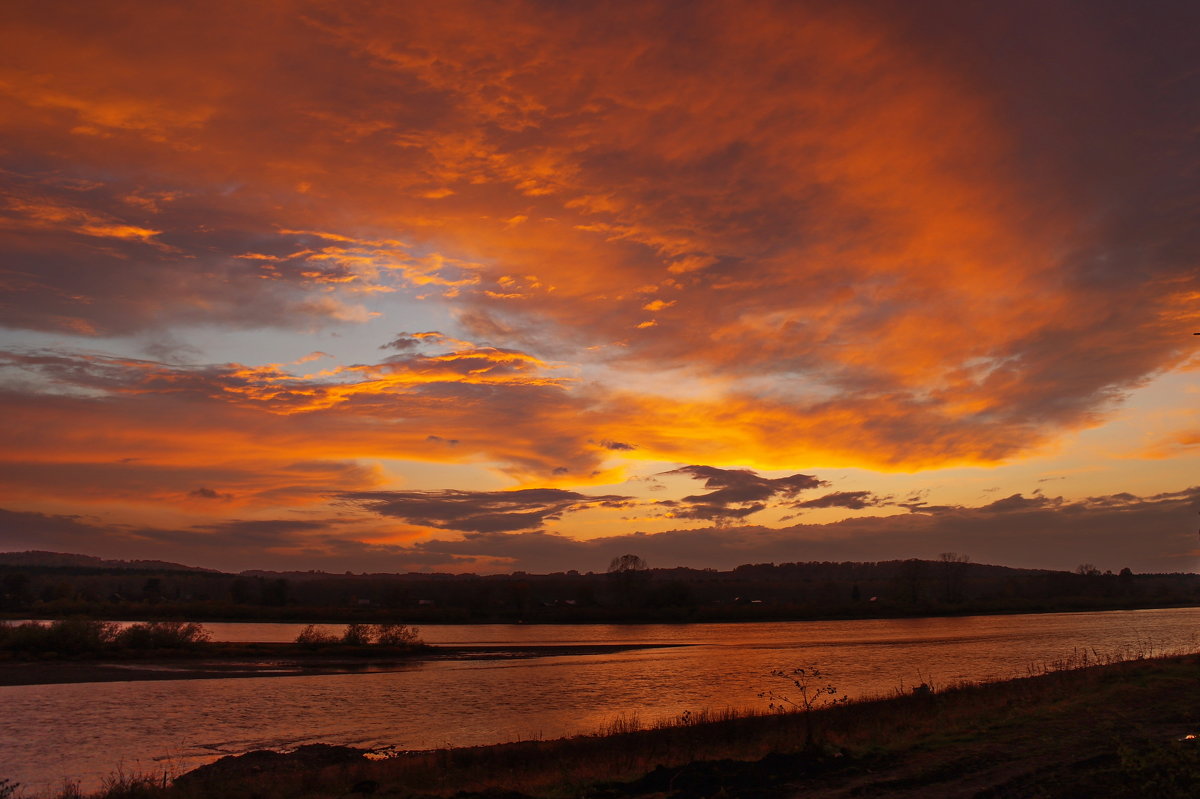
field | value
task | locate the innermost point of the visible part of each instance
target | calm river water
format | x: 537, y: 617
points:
x: 51, y: 733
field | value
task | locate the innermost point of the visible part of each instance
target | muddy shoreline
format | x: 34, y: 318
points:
x: 209, y: 668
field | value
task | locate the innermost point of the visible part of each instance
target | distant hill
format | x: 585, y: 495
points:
x: 55, y: 584
x: 36, y: 558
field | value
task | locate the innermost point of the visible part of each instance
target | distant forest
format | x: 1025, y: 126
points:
x: 54, y: 585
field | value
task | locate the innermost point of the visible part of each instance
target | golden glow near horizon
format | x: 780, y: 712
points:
x: 308, y: 285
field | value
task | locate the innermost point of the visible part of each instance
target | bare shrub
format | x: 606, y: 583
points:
x: 82, y: 635
x: 357, y: 635
x: 313, y: 637
x: 67, y: 637
x: 396, y: 634
x: 811, y: 691
x: 163, y: 635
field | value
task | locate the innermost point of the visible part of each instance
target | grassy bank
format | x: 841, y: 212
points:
x: 1115, y: 730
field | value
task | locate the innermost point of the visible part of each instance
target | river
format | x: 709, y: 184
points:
x: 84, y: 732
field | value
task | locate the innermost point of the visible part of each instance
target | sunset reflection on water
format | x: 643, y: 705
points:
x: 84, y: 731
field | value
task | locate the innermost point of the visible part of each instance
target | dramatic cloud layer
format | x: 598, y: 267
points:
x: 311, y: 258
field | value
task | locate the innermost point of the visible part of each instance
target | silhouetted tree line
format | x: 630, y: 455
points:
x: 951, y: 584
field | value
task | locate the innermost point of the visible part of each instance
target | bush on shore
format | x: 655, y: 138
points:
x: 392, y: 635
x: 314, y: 637
x: 82, y: 637
x: 88, y: 638
x: 163, y: 635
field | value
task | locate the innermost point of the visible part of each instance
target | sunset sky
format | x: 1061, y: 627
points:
x: 484, y: 286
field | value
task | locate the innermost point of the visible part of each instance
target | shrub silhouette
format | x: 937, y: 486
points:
x: 811, y: 690
x: 314, y: 638
x: 391, y: 635
x: 67, y: 637
x: 357, y: 635
x: 81, y: 635
x: 396, y: 634
x: 76, y: 637
x: 162, y: 635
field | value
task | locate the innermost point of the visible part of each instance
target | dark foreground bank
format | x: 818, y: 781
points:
x: 1120, y: 730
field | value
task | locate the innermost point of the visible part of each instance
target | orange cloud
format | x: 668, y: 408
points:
x: 1182, y: 442
x: 33, y: 213
x: 873, y: 236
x: 241, y: 430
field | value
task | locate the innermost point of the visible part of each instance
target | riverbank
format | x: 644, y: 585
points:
x: 228, y: 661
x: 727, y: 614
x: 1119, y: 730
x: 53, y: 585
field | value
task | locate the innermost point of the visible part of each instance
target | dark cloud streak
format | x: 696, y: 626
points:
x: 852, y: 500
x: 481, y: 511
x: 736, y: 493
